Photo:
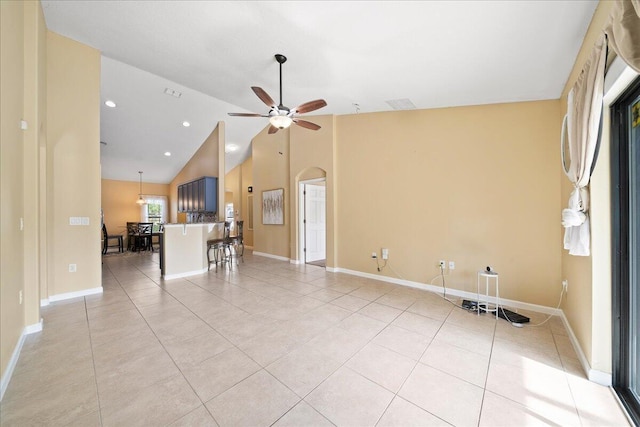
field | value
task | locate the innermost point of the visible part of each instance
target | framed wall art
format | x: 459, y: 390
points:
x: 273, y: 207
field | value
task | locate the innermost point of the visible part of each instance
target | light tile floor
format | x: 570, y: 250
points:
x: 270, y: 343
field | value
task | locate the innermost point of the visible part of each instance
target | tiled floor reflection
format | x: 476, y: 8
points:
x: 271, y: 343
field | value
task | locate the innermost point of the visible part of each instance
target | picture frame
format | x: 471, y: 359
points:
x: 273, y: 207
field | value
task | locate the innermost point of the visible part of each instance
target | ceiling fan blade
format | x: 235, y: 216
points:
x: 264, y: 96
x: 247, y: 115
x: 311, y: 106
x: 306, y: 124
x: 272, y: 129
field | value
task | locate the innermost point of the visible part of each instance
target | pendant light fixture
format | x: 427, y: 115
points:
x: 140, y: 200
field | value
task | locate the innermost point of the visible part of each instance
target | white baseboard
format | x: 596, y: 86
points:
x: 600, y: 377
x: 455, y: 292
x: 266, y: 255
x: 594, y: 375
x: 13, y: 361
x: 295, y: 261
x: 70, y: 295
x: 185, y: 274
x: 32, y: 329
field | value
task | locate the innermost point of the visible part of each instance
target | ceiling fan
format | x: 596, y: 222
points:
x: 280, y: 116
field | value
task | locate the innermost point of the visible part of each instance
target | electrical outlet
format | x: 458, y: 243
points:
x: 452, y: 265
x: 565, y: 286
x: 374, y: 255
x: 385, y: 253
x: 442, y: 263
x: 72, y: 268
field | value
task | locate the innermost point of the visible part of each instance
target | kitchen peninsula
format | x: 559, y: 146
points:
x: 184, y: 249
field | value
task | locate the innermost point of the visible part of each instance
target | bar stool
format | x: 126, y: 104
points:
x: 219, y: 247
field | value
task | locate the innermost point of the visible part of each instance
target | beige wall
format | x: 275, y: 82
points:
x: 23, y: 88
x: 232, y: 182
x: 207, y: 161
x: 236, y: 182
x: 475, y: 185
x: 247, y: 181
x: 119, y: 202
x: 271, y: 160
x: 73, y: 167
x: 11, y: 176
x: 35, y: 143
x: 313, y: 156
x: 282, y: 160
x: 589, y: 317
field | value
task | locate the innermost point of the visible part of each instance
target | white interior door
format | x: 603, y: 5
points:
x: 315, y: 222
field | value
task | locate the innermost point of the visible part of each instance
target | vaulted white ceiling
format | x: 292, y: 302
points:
x: 433, y: 53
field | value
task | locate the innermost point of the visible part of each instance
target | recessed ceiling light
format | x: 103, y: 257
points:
x: 230, y: 148
x: 166, y: 153
x: 186, y: 124
x: 110, y: 103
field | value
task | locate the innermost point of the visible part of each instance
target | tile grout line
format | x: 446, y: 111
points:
x: 165, y: 349
x: 486, y: 377
x: 162, y: 345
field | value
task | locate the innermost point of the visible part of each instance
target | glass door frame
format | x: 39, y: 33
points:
x: 621, y: 253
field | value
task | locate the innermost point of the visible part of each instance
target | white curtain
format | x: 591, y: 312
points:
x: 584, y: 111
x: 623, y: 31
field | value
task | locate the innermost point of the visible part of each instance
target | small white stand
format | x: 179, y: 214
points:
x: 487, y: 276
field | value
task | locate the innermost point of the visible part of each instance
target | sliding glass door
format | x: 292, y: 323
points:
x: 625, y: 157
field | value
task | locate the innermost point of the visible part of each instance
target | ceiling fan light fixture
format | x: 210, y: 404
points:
x: 281, y: 122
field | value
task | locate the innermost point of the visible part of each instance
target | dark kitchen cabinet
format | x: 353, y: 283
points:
x: 200, y: 195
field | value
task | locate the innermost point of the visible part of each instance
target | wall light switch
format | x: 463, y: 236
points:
x: 452, y: 265
x: 72, y: 268
x: 21, y: 224
x: 24, y: 125
x: 385, y: 253
x: 84, y: 220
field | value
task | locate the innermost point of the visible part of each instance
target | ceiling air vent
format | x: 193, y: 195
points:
x: 401, y: 104
x: 172, y: 92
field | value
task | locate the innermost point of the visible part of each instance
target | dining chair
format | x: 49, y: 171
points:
x: 132, y: 231
x: 105, y: 240
x: 145, y: 233
x: 155, y: 237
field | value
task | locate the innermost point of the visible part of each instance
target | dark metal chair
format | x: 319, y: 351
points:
x: 220, y: 246
x: 237, y: 241
x: 106, y: 237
